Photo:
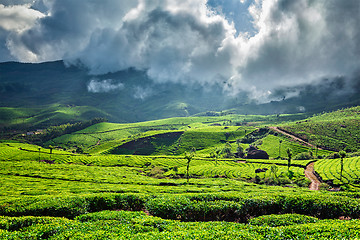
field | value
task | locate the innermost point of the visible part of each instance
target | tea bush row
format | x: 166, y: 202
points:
x: 188, y: 207
x: 125, y: 225
x: 329, y: 169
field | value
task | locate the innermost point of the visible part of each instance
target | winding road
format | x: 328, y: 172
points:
x: 293, y: 137
x: 310, y: 174
x: 309, y: 170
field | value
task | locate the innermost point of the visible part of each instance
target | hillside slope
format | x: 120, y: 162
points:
x: 39, y: 95
x: 36, y: 90
x: 338, y: 130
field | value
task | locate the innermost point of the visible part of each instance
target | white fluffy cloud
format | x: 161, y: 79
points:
x: 103, y: 86
x: 15, y: 19
x: 18, y: 18
x: 295, y: 42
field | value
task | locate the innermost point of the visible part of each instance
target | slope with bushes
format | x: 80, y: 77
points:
x: 336, y: 131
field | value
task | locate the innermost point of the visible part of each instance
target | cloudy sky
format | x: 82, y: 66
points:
x: 247, y: 45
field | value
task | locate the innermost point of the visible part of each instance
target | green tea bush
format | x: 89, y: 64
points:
x: 303, y: 156
x: 58, y: 207
x: 325, y: 229
x: 17, y: 223
x: 190, y: 207
x: 281, y: 220
x: 302, y: 181
x: 122, y: 216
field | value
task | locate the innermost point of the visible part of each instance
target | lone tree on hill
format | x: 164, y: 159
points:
x: 280, y: 141
x: 342, y: 155
x: 189, y: 156
x: 51, y: 150
x: 288, y: 151
x: 39, y: 153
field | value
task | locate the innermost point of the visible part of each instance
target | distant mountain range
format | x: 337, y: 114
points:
x: 50, y: 93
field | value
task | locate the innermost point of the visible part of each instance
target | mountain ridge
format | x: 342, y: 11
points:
x: 52, y: 91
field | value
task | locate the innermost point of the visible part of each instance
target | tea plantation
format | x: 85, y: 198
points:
x: 184, y: 178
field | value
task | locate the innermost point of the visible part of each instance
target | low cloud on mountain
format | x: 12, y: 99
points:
x: 284, y: 44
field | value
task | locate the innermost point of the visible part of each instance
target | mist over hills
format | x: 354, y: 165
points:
x: 54, y: 93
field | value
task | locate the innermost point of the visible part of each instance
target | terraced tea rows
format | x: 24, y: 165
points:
x: 233, y: 169
x: 329, y: 169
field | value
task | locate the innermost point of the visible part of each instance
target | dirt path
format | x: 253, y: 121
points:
x: 309, y: 173
x: 293, y: 137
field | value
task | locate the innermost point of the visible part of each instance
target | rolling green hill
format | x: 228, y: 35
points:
x: 338, y: 130
x: 129, y: 181
x: 204, y: 133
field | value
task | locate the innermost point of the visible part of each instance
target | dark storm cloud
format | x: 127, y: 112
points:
x: 170, y: 46
x: 171, y: 40
x: 294, y: 43
x: 66, y: 29
x: 300, y: 42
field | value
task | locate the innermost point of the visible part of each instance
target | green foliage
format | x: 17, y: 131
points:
x: 46, y: 116
x: 270, y: 144
x: 274, y: 170
x: 330, y: 170
x: 289, y: 153
x: 335, y: 131
x: 136, y: 225
x: 282, y: 220
x: 189, y: 156
x: 226, y: 151
x: 303, y: 156
x: 57, y: 131
x: 167, y: 136
x: 342, y: 154
x: 95, y: 191
x: 74, y: 191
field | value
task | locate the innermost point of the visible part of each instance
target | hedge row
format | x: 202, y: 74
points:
x: 137, y: 225
x: 189, y: 207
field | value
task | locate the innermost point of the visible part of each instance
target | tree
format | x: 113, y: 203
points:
x: 280, y: 141
x: 215, y: 155
x: 238, y: 142
x: 79, y: 150
x: 226, y: 151
x: 288, y: 151
x: 342, y: 155
x: 189, y: 156
x: 239, y: 149
x: 274, y: 170
x: 51, y: 149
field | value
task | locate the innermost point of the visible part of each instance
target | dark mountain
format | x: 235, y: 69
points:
x: 47, y: 89
x: 50, y: 93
